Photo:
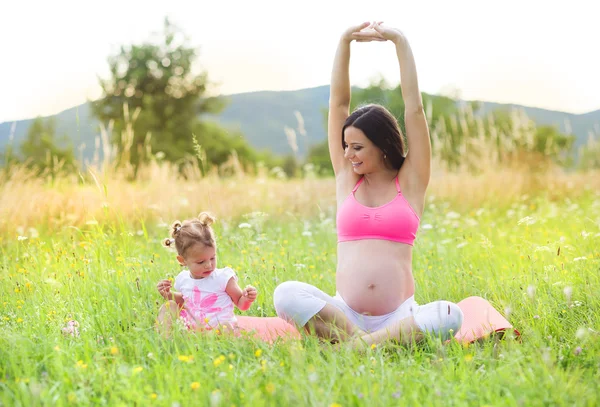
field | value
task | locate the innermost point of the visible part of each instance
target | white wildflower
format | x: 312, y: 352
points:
x: 427, y: 226
x: 527, y: 220
x: 452, y: 215
x: 22, y: 238
x: 244, y: 225
x: 568, y: 291
x: 581, y: 333
x: 531, y: 291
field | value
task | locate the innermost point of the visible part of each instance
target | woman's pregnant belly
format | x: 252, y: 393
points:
x: 374, y: 277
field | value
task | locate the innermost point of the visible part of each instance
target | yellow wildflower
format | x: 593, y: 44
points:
x: 270, y: 388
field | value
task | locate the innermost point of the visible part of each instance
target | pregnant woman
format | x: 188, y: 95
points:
x: 380, y: 188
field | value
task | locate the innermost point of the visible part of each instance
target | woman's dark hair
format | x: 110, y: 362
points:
x: 381, y: 127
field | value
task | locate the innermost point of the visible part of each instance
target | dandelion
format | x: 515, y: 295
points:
x: 195, y: 385
x: 138, y: 369
x: 218, y: 361
x: 270, y: 388
x: 335, y: 405
x: 114, y: 350
x: 184, y: 358
x: 468, y: 358
x: 153, y: 396
x: 258, y: 353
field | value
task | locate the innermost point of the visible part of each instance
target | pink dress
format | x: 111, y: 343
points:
x: 207, y: 305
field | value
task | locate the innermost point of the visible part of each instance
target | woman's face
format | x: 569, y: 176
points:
x: 201, y: 260
x: 365, y: 156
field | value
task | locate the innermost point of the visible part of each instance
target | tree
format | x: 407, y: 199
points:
x: 41, y: 151
x: 162, y: 95
x: 318, y: 155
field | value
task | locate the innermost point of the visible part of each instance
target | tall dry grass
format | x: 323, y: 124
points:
x: 162, y: 194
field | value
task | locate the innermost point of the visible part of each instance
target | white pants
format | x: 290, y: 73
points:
x: 298, y: 302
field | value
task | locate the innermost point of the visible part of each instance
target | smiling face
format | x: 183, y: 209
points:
x: 365, y: 156
x: 200, y: 259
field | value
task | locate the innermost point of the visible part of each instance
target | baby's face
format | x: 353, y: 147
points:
x: 201, y: 260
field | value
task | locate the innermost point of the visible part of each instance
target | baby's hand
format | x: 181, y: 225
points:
x: 250, y: 293
x: 164, y: 288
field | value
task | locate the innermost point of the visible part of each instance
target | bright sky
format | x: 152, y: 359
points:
x: 535, y: 53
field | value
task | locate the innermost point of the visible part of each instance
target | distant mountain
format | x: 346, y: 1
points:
x: 262, y: 117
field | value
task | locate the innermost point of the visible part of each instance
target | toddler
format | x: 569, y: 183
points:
x: 205, y: 295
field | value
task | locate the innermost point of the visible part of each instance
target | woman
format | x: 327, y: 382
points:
x: 380, y: 189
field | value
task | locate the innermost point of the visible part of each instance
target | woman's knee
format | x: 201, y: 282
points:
x: 442, y: 318
x: 297, y: 302
x: 282, y: 296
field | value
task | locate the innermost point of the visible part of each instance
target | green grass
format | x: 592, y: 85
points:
x: 104, y: 277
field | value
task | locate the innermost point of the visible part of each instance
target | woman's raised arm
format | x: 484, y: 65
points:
x: 339, y: 92
x: 417, y: 132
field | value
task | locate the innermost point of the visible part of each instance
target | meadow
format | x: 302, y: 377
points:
x: 88, y: 248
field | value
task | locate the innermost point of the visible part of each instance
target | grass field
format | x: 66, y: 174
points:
x: 92, y: 253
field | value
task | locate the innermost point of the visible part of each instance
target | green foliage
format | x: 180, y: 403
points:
x: 8, y: 157
x: 589, y: 154
x: 40, y: 149
x: 461, y: 137
x: 154, y: 96
x: 290, y: 165
x: 104, y: 276
x: 220, y: 144
x: 318, y: 155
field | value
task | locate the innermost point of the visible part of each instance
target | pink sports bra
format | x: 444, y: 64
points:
x: 395, y: 220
